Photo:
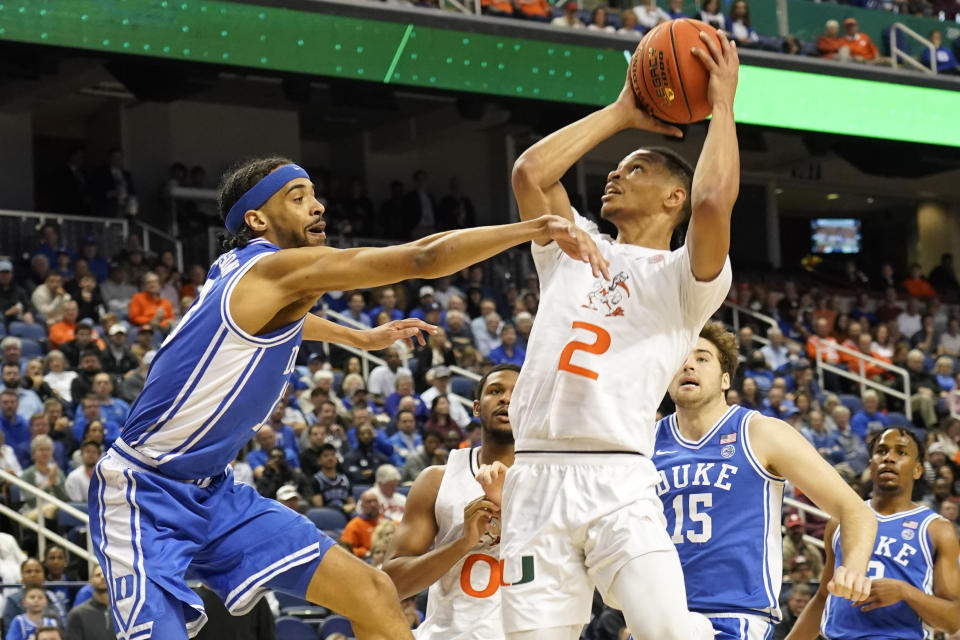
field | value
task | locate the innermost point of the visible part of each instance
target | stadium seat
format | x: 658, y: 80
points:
x: 335, y: 624
x: 3, y: 330
x: 290, y: 628
x: 325, y: 518
x: 898, y: 420
x: 24, y: 330
x: 30, y: 349
x: 851, y: 402
x: 337, y: 380
x: 358, y: 489
x: 66, y: 521
x: 462, y: 386
x: 293, y: 606
x: 405, y: 489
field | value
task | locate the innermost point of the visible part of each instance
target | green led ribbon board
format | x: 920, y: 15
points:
x: 322, y: 44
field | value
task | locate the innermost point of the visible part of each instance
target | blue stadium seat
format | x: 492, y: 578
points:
x: 462, y: 386
x: 30, y: 348
x: 851, y: 402
x: 290, y: 628
x: 3, y: 330
x: 405, y: 489
x: 293, y: 606
x: 325, y: 518
x: 898, y: 420
x: 24, y: 330
x: 335, y: 624
x: 337, y: 380
x: 358, y: 489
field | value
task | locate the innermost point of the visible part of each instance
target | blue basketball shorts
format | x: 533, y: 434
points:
x: 152, y: 533
x: 741, y: 627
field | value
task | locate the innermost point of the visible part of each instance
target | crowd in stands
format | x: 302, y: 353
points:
x: 347, y: 440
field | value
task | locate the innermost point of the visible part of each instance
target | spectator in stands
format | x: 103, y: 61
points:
x: 917, y: 285
x: 50, y: 243
x: 441, y: 387
x: 148, y: 308
x: 31, y: 575
x: 14, y: 303
x: 750, y: 396
x: 112, y: 188
x: 277, y: 472
x: 48, y: 298
x: 362, y: 461
x: 868, y: 419
x: 923, y: 389
x: 509, y: 352
x: 829, y: 42
x: 86, y: 292
x: 949, y: 343
x: 498, y: 8
x: 78, y: 480
x: 797, y: 600
x: 63, y: 331
x: 945, y: 60
x: 570, y: 17
x: 927, y: 339
x: 8, y: 461
x: 392, y: 502
x: 388, y: 303
x: 775, y: 353
x: 943, y: 277
x: 488, y: 338
x: 113, y: 409
x: 825, y: 442
x: 133, y: 382
x: 710, y: 13
x: 44, y: 474
x: 383, y: 379
x: 649, y: 14
x: 856, y: 45
x: 430, y: 453
x: 675, y: 9
x: 268, y: 440
x: 598, y: 20
x: 16, y: 428
x: 354, y: 310
x: 949, y: 511
x: 92, y: 620
x: 883, y: 343
x: 405, y: 390
x: 331, y: 488
x: 24, y: 625
x: 746, y: 344
x: 117, y: 291
x: 419, y: 205
x: 97, y: 264
x: 738, y: 24
x: 29, y: 402
x: 117, y: 358
x: 40, y: 426
x: 825, y: 342
x: 458, y: 331
x: 792, y: 46
x: 288, y: 496
x: 455, y: 209
x: 33, y: 380
x: 855, y: 453
x: 316, y: 439
x: 83, y: 339
x: 359, y: 531
x: 406, y: 440
x: 143, y: 342
x: 794, y: 545
x: 776, y: 405
x: 757, y: 369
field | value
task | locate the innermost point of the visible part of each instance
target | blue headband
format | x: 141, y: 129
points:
x: 261, y: 192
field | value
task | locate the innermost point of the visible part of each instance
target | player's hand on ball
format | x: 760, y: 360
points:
x: 638, y: 118
x: 577, y: 243
x: 849, y: 584
x: 491, y: 478
x: 476, y: 520
x: 723, y: 63
x: 883, y: 593
x: 386, y: 334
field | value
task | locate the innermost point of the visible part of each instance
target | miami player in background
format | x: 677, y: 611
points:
x: 579, y: 506
x: 446, y: 539
x: 915, y: 579
x: 163, y: 504
x: 722, y: 471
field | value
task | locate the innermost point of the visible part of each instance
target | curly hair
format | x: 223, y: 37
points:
x: 235, y: 182
x: 726, y: 344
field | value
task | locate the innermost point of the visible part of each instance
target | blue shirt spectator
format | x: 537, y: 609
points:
x: 869, y: 418
x: 854, y: 448
x: 354, y: 310
x: 392, y: 403
x: 509, y: 352
x: 946, y: 62
x: 776, y: 405
x: 825, y: 442
x: 406, y: 440
x: 16, y: 430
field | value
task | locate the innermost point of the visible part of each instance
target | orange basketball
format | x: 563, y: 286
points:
x: 669, y: 81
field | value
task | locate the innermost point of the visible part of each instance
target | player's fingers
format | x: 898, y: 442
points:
x: 861, y: 589
x: 705, y: 59
x: 416, y: 323
x: 716, y: 50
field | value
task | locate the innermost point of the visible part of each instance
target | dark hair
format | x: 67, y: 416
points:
x: 432, y: 434
x: 746, y: 11
x: 326, y: 446
x: 44, y: 629
x: 903, y: 432
x: 682, y: 171
x: 406, y: 411
x: 90, y: 443
x: 90, y: 352
x: 233, y: 184
x: 478, y: 390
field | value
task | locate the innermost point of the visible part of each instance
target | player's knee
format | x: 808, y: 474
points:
x: 379, y: 586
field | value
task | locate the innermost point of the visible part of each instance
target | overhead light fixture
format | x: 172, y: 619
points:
x: 778, y: 191
x: 869, y: 200
x: 833, y: 196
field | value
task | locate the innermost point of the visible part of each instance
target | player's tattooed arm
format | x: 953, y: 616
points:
x: 807, y: 626
x: 940, y: 610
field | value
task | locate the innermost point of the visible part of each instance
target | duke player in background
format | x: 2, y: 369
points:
x: 163, y: 503
x: 722, y: 471
x: 579, y: 506
x: 915, y: 578
x: 446, y: 539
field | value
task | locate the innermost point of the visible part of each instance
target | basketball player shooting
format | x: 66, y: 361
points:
x: 579, y: 504
x: 163, y: 504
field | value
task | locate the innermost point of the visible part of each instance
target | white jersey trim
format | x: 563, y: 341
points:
x: 228, y: 320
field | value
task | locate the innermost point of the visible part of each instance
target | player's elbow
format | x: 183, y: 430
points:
x: 525, y: 175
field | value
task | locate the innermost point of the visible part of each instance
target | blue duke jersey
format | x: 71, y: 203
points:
x: 723, y: 514
x: 211, y: 384
x: 903, y: 551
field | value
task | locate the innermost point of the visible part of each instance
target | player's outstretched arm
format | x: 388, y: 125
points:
x: 411, y: 563
x: 807, y: 626
x: 321, y: 329
x: 537, y: 172
x: 940, y: 610
x: 782, y: 450
x: 716, y: 180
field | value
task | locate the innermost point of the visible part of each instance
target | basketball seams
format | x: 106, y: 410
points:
x: 676, y: 64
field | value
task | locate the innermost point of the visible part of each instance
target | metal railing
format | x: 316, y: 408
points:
x: 39, y: 527
x: 896, y: 54
x: 812, y: 510
x: 20, y: 231
x: 861, y: 378
x: 735, y: 319
x: 147, y: 234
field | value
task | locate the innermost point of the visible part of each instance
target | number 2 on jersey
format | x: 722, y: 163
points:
x: 597, y: 348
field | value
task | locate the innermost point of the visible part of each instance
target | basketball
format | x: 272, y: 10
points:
x: 668, y: 80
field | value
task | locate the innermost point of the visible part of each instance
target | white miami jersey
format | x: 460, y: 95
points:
x: 464, y: 604
x: 602, y: 353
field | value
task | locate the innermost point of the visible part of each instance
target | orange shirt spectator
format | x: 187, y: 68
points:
x: 864, y: 346
x: 497, y: 7
x: 918, y: 286
x: 62, y: 331
x: 827, y: 343
x: 860, y: 45
x: 534, y: 9
x: 829, y: 43
x: 359, y: 531
x: 147, y: 307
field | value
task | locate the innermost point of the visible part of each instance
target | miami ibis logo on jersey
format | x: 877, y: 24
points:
x: 608, y: 297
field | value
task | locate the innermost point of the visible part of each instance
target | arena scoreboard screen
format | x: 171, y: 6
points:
x: 403, y: 52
